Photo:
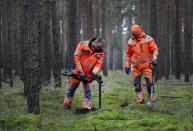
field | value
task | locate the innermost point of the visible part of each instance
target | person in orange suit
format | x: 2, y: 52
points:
x: 142, y: 53
x: 88, y: 61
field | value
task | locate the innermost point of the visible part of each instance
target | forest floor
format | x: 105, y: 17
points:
x: 169, y: 114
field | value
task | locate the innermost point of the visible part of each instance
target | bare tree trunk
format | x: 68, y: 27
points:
x: 78, y: 14
x: 138, y: 12
x: 119, y: 34
x: 48, y: 40
x: 23, y: 30
x: 9, y: 40
x: 4, y: 38
x: 89, y: 19
x: 43, y: 43
x: 0, y: 42
x: 64, y: 30
x: 104, y: 35
x: 178, y: 41
x: 167, y: 41
x: 14, y: 36
x: 171, y: 23
x: 95, y: 17
x: 72, y: 30
x: 153, y: 19
x: 56, y: 54
x: 159, y: 39
x: 110, y: 25
x: 187, y: 38
x: 32, y: 51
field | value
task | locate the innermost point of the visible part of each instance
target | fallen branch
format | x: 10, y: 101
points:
x: 176, y: 84
x: 170, y: 96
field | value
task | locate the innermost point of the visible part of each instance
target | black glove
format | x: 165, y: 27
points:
x: 82, y: 74
x: 94, y: 76
x: 154, y: 62
x: 127, y: 70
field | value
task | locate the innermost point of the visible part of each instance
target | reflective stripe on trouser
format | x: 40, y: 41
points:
x: 87, y: 95
x: 139, y: 96
x: 151, y: 99
x: 72, y: 85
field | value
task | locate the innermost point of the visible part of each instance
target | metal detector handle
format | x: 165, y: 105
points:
x: 78, y: 77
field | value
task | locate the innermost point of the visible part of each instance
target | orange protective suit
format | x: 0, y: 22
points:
x: 140, y: 52
x: 86, y: 60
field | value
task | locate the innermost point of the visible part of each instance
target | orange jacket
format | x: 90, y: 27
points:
x: 87, y: 59
x: 140, y: 52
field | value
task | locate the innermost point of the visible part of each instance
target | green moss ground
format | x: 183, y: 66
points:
x: 169, y: 114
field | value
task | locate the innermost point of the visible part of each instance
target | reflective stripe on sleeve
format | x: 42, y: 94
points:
x: 77, y: 53
x: 144, y: 62
x: 100, y: 60
x: 155, y: 53
x: 78, y: 67
x: 143, y: 57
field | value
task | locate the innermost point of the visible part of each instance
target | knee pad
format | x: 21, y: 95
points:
x: 149, y: 85
x: 137, y: 83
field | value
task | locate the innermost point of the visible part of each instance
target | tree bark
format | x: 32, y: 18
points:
x: 0, y: 42
x: 64, y: 30
x: 167, y: 41
x: 187, y: 38
x: 23, y: 30
x: 48, y: 51
x: 72, y: 31
x: 104, y: 35
x: 119, y: 34
x: 178, y: 41
x: 159, y: 39
x: 56, y: 54
x: 110, y: 25
x: 32, y: 50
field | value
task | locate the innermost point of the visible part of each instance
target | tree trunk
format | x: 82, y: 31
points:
x: 48, y: 56
x: 64, y: 30
x: 110, y: 25
x: 23, y: 30
x: 72, y: 30
x: 8, y: 43
x: 32, y: 50
x: 43, y: 43
x: 78, y: 14
x: 187, y: 38
x: 119, y: 34
x: 89, y: 19
x: 0, y: 43
x: 167, y: 41
x: 56, y: 54
x: 159, y: 39
x: 178, y: 41
x: 104, y: 35
x: 153, y: 19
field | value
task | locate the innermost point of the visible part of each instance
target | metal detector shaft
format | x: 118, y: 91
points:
x: 100, y: 95
x: 152, y: 86
x: 153, y: 69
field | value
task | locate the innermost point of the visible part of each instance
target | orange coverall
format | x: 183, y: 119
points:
x: 140, y: 52
x: 86, y: 60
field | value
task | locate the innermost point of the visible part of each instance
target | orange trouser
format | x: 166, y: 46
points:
x: 72, y: 86
x: 137, y: 80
